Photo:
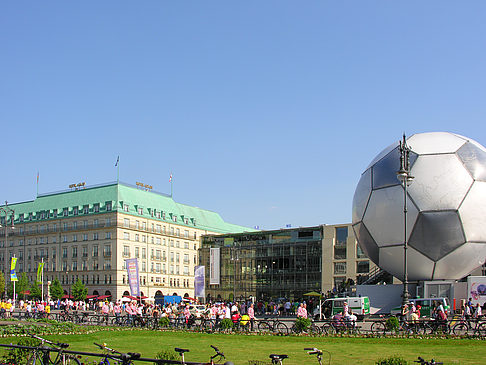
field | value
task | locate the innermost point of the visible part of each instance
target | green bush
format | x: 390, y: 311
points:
x: 167, y: 354
x: 226, y: 324
x: 392, y: 324
x: 19, y: 356
x: 393, y: 360
x: 302, y: 324
x: 164, y: 322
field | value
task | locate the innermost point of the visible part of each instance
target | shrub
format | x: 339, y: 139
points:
x: 164, y: 322
x: 19, y: 356
x: 167, y: 355
x: 226, y: 324
x: 393, y: 360
x: 392, y: 324
x: 302, y: 324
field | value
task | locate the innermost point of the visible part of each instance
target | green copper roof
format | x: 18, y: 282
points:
x: 119, y: 195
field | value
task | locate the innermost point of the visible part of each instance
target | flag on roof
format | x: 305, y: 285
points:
x: 170, y: 178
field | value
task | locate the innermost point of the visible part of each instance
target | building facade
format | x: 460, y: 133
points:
x: 88, y: 234
x: 284, y: 263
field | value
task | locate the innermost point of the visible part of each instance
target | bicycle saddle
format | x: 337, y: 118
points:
x: 181, y: 351
x: 278, y: 357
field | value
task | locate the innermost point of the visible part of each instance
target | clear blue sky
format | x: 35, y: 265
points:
x: 266, y: 112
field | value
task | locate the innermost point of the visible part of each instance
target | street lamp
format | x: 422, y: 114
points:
x: 234, y: 258
x: 6, y: 210
x: 406, y: 179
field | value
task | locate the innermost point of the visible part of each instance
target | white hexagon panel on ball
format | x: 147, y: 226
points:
x: 446, y: 219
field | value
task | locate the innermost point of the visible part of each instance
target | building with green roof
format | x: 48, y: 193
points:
x: 87, y: 233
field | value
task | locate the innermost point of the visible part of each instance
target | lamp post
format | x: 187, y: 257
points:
x: 6, y: 210
x: 405, y: 178
x: 234, y: 258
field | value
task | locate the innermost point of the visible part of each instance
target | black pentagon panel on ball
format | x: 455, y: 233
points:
x: 361, y: 196
x: 436, y: 234
x: 474, y: 159
x: 366, y: 242
x: 385, y: 170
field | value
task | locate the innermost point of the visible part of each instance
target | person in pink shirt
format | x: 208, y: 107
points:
x: 251, y: 314
x: 105, y: 311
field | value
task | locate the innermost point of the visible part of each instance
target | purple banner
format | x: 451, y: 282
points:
x: 199, y: 276
x: 133, y: 277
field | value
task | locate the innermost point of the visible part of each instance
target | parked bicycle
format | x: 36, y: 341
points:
x: 41, y: 355
x: 272, y: 325
x: 117, y: 357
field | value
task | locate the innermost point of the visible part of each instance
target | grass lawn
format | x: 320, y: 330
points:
x: 241, y: 348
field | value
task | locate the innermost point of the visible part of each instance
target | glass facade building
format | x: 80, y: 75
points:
x: 264, y: 265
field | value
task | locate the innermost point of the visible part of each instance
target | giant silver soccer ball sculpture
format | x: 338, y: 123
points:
x: 446, y: 219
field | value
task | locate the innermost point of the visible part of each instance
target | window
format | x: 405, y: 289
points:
x: 95, y: 236
x: 96, y: 207
x: 178, y: 232
x: 144, y: 253
x: 75, y: 266
x: 363, y: 267
x: 75, y: 238
x: 359, y: 253
x: 137, y: 252
x: 186, y: 258
x: 140, y: 211
x: 144, y: 238
x: 186, y: 245
x: 174, y: 218
x: 125, y: 207
x: 126, y: 236
x: 64, y: 252
x: 157, y: 254
x: 75, y: 225
x: 144, y: 226
x: 75, y: 210
x: 157, y: 215
x: 341, y: 235
x: 65, y: 212
x: 339, y: 268
x: 186, y: 234
x: 137, y: 238
x: 95, y: 251
x: 186, y: 270
x: 144, y: 266
x: 85, y: 236
x: 157, y: 267
x: 126, y: 251
x: 75, y: 251
x: 108, y: 206
x: 137, y: 224
x: 157, y: 228
x: 85, y: 251
x: 64, y: 238
x: 126, y: 222
x: 107, y: 251
x: 157, y: 241
x: 86, y: 209
x: 340, y: 253
x: 108, y: 235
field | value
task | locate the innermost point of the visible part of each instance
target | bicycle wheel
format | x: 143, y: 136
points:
x: 67, y: 360
x: 327, y: 329
x: 34, y: 359
x: 460, y: 329
x: 264, y: 327
x: 282, y: 328
x: 378, y: 328
x: 314, y: 329
x: 481, y: 330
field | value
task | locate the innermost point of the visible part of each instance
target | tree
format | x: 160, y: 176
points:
x: 79, y: 290
x: 56, y: 291
x: 35, y: 291
x: 2, y: 282
x: 22, y: 285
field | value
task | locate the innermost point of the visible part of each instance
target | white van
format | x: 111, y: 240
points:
x: 359, y: 305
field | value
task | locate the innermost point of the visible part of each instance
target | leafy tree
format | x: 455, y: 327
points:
x: 79, y: 290
x: 56, y: 291
x: 22, y: 285
x: 35, y: 291
x: 2, y: 282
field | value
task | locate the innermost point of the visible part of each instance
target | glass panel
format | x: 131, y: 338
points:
x: 361, y: 196
x: 383, y: 153
x: 441, y: 182
x: 474, y: 159
x: 419, y: 266
x: 437, y: 233
x: 461, y: 261
x: 435, y: 142
x: 473, y: 215
x: 366, y: 242
x: 384, y: 216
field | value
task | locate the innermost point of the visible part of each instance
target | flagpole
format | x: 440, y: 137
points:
x: 37, y: 183
x: 42, y: 280
x: 170, y: 180
x: 117, y: 169
x: 13, y: 283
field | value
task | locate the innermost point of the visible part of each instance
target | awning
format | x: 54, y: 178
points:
x: 91, y: 296
x: 101, y: 297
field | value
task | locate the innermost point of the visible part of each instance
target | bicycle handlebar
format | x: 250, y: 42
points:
x: 59, y: 344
